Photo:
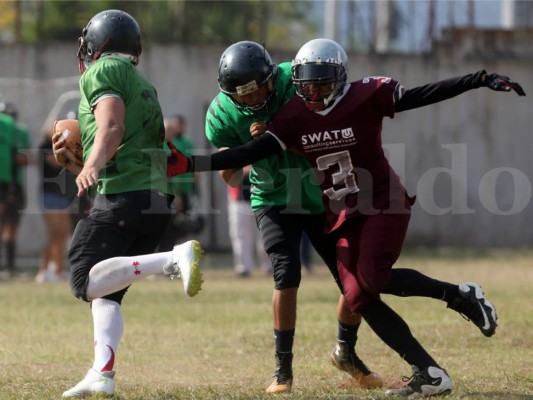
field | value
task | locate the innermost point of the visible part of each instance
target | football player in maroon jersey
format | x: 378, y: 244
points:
x: 337, y: 126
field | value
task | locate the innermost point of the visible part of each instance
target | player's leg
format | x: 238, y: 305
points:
x: 429, y: 378
x: 57, y: 221
x: 15, y: 203
x: 281, y: 235
x: 59, y: 233
x: 118, y: 225
x: 3, y: 199
x: 466, y: 298
x: 378, y: 240
x: 107, y: 313
x: 108, y: 327
x: 305, y: 253
x: 343, y: 355
x: 8, y: 239
x: 113, y: 274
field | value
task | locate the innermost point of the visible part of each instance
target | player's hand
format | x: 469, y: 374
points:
x: 87, y: 178
x: 59, y: 148
x: 502, y: 83
x: 177, y: 163
x: 257, y: 129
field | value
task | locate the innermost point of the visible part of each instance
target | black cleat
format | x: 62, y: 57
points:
x: 432, y: 381
x: 472, y: 304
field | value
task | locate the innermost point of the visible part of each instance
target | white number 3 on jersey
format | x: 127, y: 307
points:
x: 344, y: 175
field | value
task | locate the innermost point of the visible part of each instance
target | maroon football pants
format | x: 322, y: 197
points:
x: 367, y: 248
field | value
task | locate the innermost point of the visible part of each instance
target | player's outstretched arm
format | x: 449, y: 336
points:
x: 236, y: 157
x: 446, y: 89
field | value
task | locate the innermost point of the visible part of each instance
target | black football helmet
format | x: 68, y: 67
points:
x: 8, y: 108
x: 243, y: 68
x: 110, y: 31
x: 320, y: 61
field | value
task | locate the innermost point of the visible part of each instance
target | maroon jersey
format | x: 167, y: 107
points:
x: 343, y: 145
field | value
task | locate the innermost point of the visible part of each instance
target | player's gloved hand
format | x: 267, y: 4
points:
x: 502, y: 83
x: 177, y: 163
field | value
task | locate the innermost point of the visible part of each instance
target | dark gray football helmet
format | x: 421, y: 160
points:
x: 243, y: 68
x: 110, y: 31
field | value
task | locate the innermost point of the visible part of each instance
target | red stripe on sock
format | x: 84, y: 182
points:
x: 111, y: 362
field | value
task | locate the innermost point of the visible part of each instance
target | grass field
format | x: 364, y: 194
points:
x: 219, y: 345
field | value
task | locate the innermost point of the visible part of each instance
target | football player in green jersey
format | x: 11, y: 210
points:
x: 7, y: 153
x: 16, y: 200
x: 122, y: 132
x: 285, y: 199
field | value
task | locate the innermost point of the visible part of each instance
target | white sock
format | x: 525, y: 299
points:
x: 114, y: 274
x: 108, y: 328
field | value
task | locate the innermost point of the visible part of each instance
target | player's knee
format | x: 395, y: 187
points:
x: 286, y: 266
x: 285, y: 279
x: 78, y: 291
x: 373, y: 283
x: 117, y: 296
x: 79, y: 280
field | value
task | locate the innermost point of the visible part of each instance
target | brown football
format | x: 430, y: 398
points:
x: 70, y: 131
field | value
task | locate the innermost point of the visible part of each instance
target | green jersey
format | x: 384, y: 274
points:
x: 140, y: 160
x: 7, y: 148
x: 182, y: 183
x: 270, y: 178
x: 22, y: 144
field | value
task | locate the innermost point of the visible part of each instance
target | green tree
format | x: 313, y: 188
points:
x: 280, y: 24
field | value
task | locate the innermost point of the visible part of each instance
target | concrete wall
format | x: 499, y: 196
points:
x: 467, y: 159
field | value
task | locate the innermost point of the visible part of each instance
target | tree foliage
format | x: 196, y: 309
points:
x: 280, y: 24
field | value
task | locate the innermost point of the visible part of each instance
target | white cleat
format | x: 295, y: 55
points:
x: 95, y: 382
x: 185, y: 263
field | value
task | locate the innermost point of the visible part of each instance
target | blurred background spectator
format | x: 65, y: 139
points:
x: 7, y: 157
x: 16, y: 197
x: 185, y: 219
x: 58, y: 190
x: 246, y: 244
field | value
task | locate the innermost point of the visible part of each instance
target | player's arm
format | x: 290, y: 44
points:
x: 109, y: 114
x: 232, y: 177
x: 235, y: 176
x: 235, y: 157
x: 442, y: 90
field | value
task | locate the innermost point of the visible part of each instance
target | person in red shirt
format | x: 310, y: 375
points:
x: 337, y: 126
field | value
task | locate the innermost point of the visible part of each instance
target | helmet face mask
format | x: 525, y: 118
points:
x: 245, y: 68
x: 111, y: 31
x: 318, y: 63
x: 261, y: 94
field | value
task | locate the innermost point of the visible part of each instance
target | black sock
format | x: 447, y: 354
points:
x: 10, y: 254
x: 284, y: 340
x: 395, y: 333
x: 347, y: 334
x: 409, y: 282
